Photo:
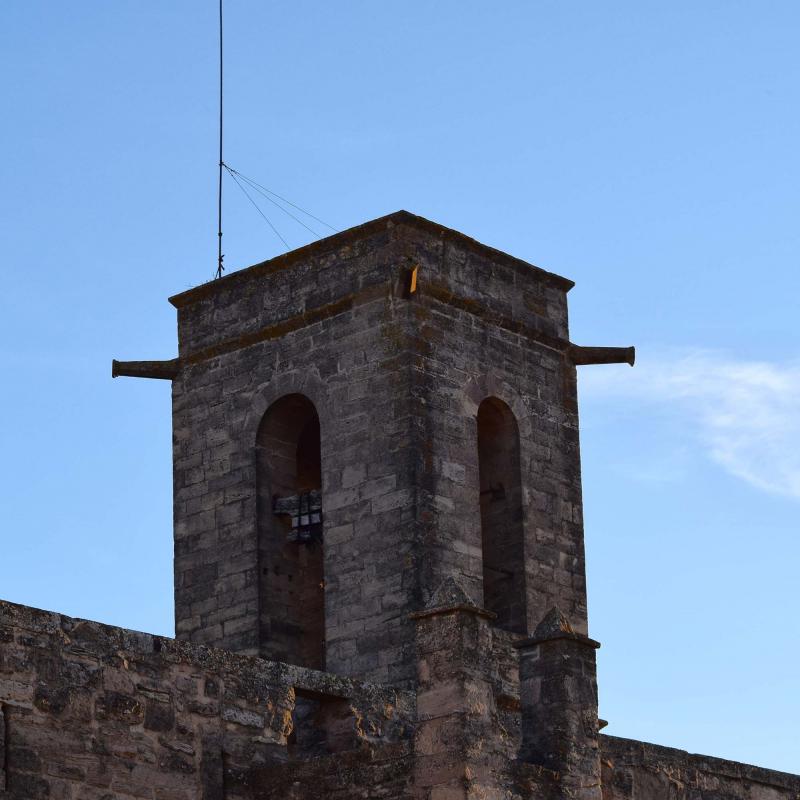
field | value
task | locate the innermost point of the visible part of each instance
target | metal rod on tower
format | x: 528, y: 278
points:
x: 220, y: 268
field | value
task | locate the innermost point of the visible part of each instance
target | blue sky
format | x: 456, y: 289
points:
x: 646, y: 150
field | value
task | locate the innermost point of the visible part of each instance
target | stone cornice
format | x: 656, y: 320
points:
x: 351, y: 236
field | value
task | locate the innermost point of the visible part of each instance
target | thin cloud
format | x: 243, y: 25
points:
x: 746, y: 414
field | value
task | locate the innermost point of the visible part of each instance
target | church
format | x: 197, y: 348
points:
x: 379, y: 562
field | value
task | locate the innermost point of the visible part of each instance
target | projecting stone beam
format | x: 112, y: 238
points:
x: 164, y: 370
x: 601, y: 355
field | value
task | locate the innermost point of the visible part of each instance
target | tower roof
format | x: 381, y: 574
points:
x: 355, y: 234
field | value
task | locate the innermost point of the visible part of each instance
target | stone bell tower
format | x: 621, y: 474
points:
x: 357, y: 422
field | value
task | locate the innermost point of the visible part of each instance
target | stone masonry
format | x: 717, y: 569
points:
x: 92, y: 712
x: 379, y: 567
x: 396, y: 382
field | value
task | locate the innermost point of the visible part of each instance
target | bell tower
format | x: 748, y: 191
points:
x: 358, y: 421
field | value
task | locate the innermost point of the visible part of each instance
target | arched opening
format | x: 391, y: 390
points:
x: 501, y: 515
x: 291, y: 568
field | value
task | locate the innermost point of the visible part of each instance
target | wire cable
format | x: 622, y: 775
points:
x: 277, y: 205
x: 268, y: 194
x: 255, y: 205
x: 283, y: 199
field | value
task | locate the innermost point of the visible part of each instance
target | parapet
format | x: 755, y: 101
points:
x: 90, y: 709
x: 634, y: 770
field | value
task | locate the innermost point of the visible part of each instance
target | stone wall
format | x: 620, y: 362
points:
x: 396, y: 380
x: 635, y: 770
x: 91, y: 712
x: 489, y: 326
x: 332, y: 328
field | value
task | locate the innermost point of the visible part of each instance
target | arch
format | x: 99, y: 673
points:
x: 502, y: 529
x: 291, y: 565
x: 278, y: 385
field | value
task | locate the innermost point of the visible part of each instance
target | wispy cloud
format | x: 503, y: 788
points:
x: 746, y: 414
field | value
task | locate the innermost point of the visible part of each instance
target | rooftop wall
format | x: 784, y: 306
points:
x: 634, y: 770
x: 92, y: 712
